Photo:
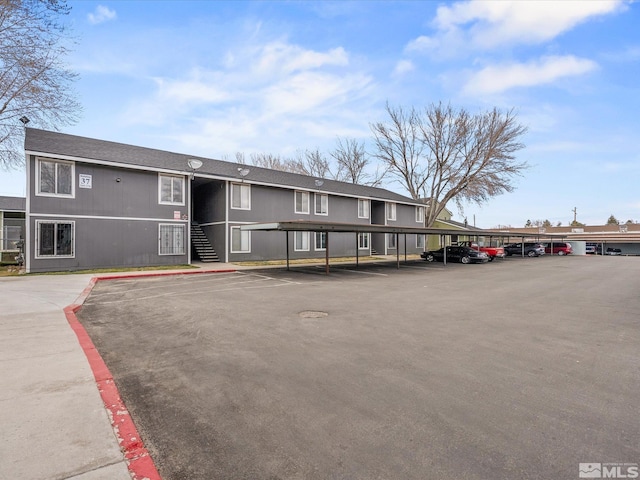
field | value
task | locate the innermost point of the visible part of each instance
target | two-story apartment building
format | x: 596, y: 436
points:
x: 96, y: 204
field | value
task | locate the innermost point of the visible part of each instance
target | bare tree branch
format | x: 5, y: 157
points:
x: 444, y: 154
x: 34, y: 81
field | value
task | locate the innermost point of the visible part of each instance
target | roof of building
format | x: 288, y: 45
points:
x: 13, y: 204
x: 55, y: 143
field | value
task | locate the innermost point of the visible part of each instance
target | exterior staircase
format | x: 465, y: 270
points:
x: 200, y: 243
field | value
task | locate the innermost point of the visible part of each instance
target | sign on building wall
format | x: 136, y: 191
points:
x: 84, y: 181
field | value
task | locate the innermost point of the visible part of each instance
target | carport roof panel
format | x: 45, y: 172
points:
x: 309, y: 226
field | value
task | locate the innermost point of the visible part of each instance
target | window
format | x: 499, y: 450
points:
x: 420, y: 214
x: 322, y: 203
x: 391, y: 211
x: 321, y: 240
x: 55, y: 178
x: 240, y: 196
x: 391, y: 240
x: 301, y: 241
x: 240, y: 240
x: 171, y: 239
x: 420, y: 241
x: 171, y: 190
x: 363, y: 241
x: 363, y: 208
x: 302, y: 202
x: 54, y: 239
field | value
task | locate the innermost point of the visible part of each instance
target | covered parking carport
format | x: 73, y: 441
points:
x: 358, y: 228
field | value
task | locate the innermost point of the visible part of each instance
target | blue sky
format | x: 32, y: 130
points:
x: 213, y: 78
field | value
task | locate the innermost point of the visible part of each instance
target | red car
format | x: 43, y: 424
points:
x: 492, y: 252
x: 559, y: 248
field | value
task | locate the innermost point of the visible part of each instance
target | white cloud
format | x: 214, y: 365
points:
x: 102, y: 14
x: 496, y: 79
x: 273, y: 91
x: 403, y: 67
x: 487, y: 24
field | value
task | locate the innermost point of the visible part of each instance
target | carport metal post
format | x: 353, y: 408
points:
x: 326, y: 253
x: 398, y: 251
x: 405, y: 248
x: 357, y: 249
x: 286, y: 232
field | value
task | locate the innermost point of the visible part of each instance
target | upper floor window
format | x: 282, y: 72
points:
x: 420, y: 214
x: 322, y: 203
x: 302, y: 202
x: 171, y: 189
x: 55, y: 178
x: 363, y: 208
x: 240, y: 196
x: 391, y: 211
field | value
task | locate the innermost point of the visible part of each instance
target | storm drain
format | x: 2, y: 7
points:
x: 313, y: 314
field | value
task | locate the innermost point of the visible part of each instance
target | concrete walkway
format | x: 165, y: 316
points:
x: 53, y: 421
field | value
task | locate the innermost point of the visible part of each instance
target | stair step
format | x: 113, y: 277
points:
x: 202, y: 245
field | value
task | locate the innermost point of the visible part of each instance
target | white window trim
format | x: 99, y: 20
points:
x: 184, y: 239
x: 368, y: 202
x: 57, y: 195
x: 295, y: 247
x: 315, y: 205
x: 391, y: 211
x: 184, y: 192
x: 241, y: 185
x: 418, y: 214
x: 37, y: 243
x: 368, y: 241
x: 295, y: 203
x: 315, y: 241
x: 231, y: 250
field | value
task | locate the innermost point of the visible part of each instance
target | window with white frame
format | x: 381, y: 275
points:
x: 391, y: 240
x: 391, y: 211
x: 420, y: 241
x: 172, y: 239
x: 363, y: 241
x: 302, y: 202
x: 55, y: 239
x: 322, y: 203
x: 55, y: 178
x: 301, y: 241
x: 240, y: 240
x: 321, y: 240
x: 420, y: 214
x: 240, y: 196
x: 171, y: 189
x: 363, y: 208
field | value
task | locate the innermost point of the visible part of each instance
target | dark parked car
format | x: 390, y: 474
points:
x: 530, y: 249
x: 460, y: 254
x: 613, y: 251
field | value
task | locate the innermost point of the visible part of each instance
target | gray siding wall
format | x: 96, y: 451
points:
x: 102, y: 243
x: 135, y: 195
x: 116, y: 220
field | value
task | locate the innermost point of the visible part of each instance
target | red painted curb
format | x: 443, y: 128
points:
x: 139, y: 461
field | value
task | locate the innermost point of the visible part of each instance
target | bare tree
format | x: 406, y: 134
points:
x: 352, y: 162
x: 274, y: 162
x: 443, y: 154
x: 312, y: 163
x: 35, y: 84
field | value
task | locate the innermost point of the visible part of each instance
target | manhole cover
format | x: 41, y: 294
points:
x: 312, y: 314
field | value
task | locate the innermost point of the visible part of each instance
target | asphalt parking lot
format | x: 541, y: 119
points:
x: 520, y: 368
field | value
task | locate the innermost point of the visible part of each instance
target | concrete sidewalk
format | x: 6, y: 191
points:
x: 54, y: 423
